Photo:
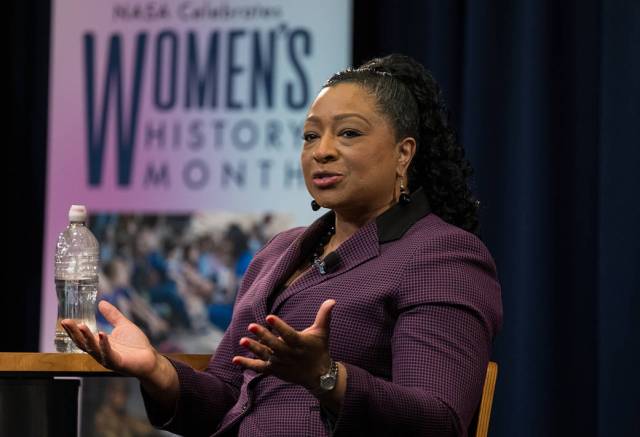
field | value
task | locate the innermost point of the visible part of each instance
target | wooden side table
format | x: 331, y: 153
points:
x: 39, y: 394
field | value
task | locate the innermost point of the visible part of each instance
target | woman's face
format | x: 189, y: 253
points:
x: 350, y: 158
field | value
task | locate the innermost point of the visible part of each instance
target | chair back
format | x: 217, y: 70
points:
x: 484, y: 410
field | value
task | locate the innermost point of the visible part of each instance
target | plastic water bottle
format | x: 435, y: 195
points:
x: 76, y: 276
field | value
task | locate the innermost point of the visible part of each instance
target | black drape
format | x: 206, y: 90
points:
x: 546, y: 98
x: 24, y: 171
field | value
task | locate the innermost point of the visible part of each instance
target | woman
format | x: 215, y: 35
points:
x: 378, y: 318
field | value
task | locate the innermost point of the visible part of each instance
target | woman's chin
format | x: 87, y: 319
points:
x: 326, y: 205
x: 329, y: 202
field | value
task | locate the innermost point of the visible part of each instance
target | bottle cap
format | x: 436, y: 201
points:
x: 77, y: 213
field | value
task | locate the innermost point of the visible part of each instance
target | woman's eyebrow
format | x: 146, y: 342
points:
x: 339, y: 117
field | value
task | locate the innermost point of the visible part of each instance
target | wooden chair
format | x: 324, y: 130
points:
x: 481, y: 421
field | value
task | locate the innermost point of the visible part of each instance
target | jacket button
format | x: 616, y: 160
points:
x: 245, y: 406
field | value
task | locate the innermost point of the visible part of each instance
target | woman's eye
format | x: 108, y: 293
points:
x: 350, y: 133
x: 309, y: 136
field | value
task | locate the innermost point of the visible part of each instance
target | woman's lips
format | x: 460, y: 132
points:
x: 326, y: 180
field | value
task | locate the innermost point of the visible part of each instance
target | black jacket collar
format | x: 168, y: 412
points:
x: 394, y: 222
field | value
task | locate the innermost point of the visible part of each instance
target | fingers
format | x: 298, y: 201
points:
x: 90, y: 343
x: 74, y: 333
x: 267, y: 338
x: 288, y: 334
x: 82, y: 337
x: 93, y: 347
x: 323, y: 318
x: 107, y: 354
x: 259, y: 366
x: 111, y: 313
x: 260, y: 350
x: 86, y: 341
x: 287, y: 356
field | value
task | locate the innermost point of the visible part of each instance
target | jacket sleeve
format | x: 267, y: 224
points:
x: 448, y: 310
x: 204, y: 396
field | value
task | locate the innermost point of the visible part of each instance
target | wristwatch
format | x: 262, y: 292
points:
x: 328, y: 380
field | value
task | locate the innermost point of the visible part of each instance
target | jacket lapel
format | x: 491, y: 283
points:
x: 283, y: 268
x: 360, y: 247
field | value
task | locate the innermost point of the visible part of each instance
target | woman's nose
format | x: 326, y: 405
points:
x: 325, y: 150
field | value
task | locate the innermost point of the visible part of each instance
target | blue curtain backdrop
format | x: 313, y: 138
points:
x: 546, y: 97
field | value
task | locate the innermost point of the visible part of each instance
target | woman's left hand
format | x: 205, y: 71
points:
x: 299, y: 357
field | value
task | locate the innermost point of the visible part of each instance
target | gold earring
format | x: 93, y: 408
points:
x: 405, y: 199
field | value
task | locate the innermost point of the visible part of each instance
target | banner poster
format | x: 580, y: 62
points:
x: 178, y: 124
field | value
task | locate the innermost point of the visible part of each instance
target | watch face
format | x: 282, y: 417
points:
x: 327, y: 382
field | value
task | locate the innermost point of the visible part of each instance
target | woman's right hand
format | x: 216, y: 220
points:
x: 126, y: 350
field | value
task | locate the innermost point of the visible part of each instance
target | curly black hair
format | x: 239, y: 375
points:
x: 408, y: 95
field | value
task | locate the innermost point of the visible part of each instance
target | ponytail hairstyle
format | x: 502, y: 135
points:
x: 409, y: 97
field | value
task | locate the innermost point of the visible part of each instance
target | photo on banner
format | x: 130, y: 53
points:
x: 178, y: 124
x: 176, y: 276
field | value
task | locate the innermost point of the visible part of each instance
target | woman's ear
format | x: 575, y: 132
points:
x: 406, y: 149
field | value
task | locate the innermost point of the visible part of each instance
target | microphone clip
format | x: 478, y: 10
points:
x: 328, y: 264
x: 320, y: 265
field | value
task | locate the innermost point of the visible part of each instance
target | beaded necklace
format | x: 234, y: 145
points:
x: 317, y: 254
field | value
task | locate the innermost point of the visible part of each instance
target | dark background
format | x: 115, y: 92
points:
x: 546, y: 98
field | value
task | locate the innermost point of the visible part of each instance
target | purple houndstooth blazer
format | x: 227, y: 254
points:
x: 418, y: 306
